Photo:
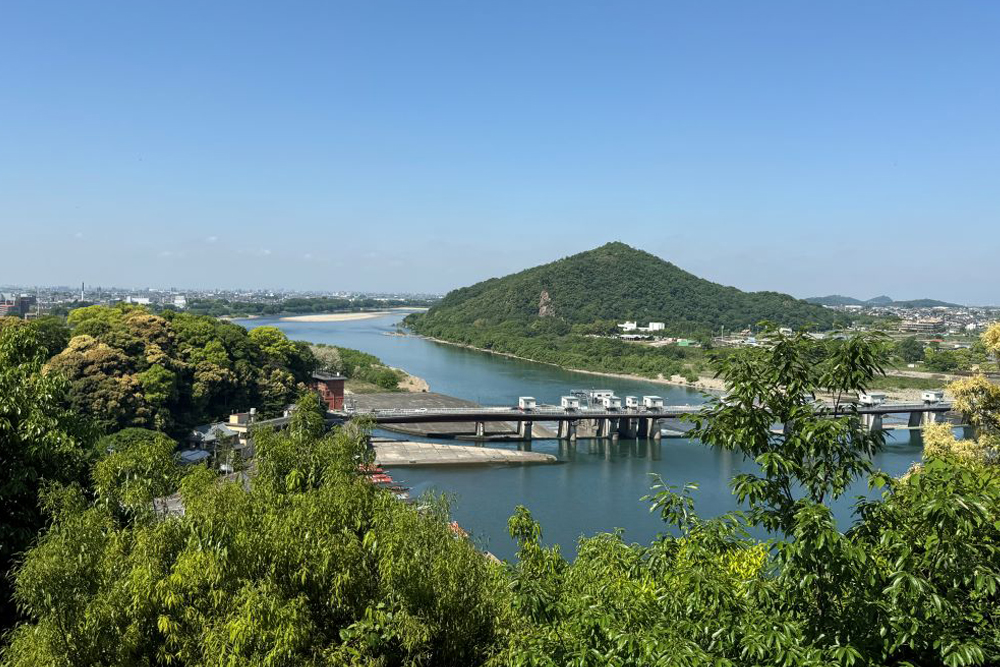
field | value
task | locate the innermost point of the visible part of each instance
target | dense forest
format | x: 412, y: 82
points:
x: 126, y: 366
x: 305, y: 562
x: 554, y: 313
x: 617, y: 283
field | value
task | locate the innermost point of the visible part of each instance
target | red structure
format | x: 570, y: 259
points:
x: 330, y: 388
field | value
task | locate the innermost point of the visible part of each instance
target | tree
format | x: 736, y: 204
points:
x: 138, y: 467
x: 820, y: 450
x: 916, y: 581
x: 41, y: 441
x: 172, y: 371
x: 940, y: 361
x: 306, y: 563
x: 910, y: 350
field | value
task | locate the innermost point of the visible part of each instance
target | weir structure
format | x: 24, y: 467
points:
x: 633, y: 421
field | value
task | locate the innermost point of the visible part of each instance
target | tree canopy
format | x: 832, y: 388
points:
x: 42, y: 442
x: 302, y: 561
x: 128, y: 367
x: 618, y: 283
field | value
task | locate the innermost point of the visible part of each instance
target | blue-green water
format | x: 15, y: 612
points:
x: 599, y: 485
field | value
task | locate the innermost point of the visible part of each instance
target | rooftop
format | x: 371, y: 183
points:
x: 324, y: 377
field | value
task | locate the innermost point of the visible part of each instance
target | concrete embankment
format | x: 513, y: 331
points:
x: 402, y: 453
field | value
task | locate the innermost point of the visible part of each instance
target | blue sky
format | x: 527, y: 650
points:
x: 806, y: 147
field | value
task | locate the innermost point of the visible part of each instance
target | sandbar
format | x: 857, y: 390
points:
x: 334, y: 317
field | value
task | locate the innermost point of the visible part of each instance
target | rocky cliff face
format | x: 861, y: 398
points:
x: 545, y: 307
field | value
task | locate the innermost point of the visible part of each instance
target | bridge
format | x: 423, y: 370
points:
x: 614, y: 422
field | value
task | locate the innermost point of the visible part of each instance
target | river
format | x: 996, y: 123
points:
x: 598, y: 486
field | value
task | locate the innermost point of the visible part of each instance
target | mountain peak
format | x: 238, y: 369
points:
x: 614, y: 283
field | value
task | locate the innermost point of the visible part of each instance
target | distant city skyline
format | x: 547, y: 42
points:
x: 806, y: 148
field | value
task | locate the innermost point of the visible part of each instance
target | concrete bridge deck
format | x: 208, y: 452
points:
x: 607, y: 422
x: 552, y: 413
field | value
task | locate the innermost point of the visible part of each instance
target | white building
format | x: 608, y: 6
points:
x: 656, y: 326
x: 180, y: 302
x: 628, y: 326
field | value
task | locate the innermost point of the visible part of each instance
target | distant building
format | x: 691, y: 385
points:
x: 656, y: 326
x: 140, y: 300
x: 628, y: 326
x: 922, y: 326
x: 330, y: 388
x: 180, y: 302
x: 15, y: 305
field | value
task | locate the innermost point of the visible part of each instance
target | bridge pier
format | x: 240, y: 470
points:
x: 571, y: 430
x: 933, y: 418
x: 872, y: 422
x: 480, y: 429
x: 915, y: 419
x: 654, y: 426
x: 648, y: 428
x: 525, y: 430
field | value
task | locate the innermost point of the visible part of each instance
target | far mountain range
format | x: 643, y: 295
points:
x: 838, y: 300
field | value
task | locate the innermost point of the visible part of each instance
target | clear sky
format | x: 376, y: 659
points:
x: 810, y: 147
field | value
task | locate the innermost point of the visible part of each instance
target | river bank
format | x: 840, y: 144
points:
x: 706, y: 383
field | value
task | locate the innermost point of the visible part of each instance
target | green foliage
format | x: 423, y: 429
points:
x: 615, y: 283
x: 909, y: 350
x: 357, y: 365
x: 139, y: 466
x: 308, y: 564
x: 963, y: 359
x: 41, y: 442
x: 915, y: 582
x: 572, y: 350
x: 129, y: 367
x: 309, y: 417
x: 820, y: 451
x: 592, y: 291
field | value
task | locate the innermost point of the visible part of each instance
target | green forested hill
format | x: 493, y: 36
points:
x: 615, y: 283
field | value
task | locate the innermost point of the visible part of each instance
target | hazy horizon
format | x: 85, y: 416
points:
x: 845, y: 148
x: 334, y: 288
